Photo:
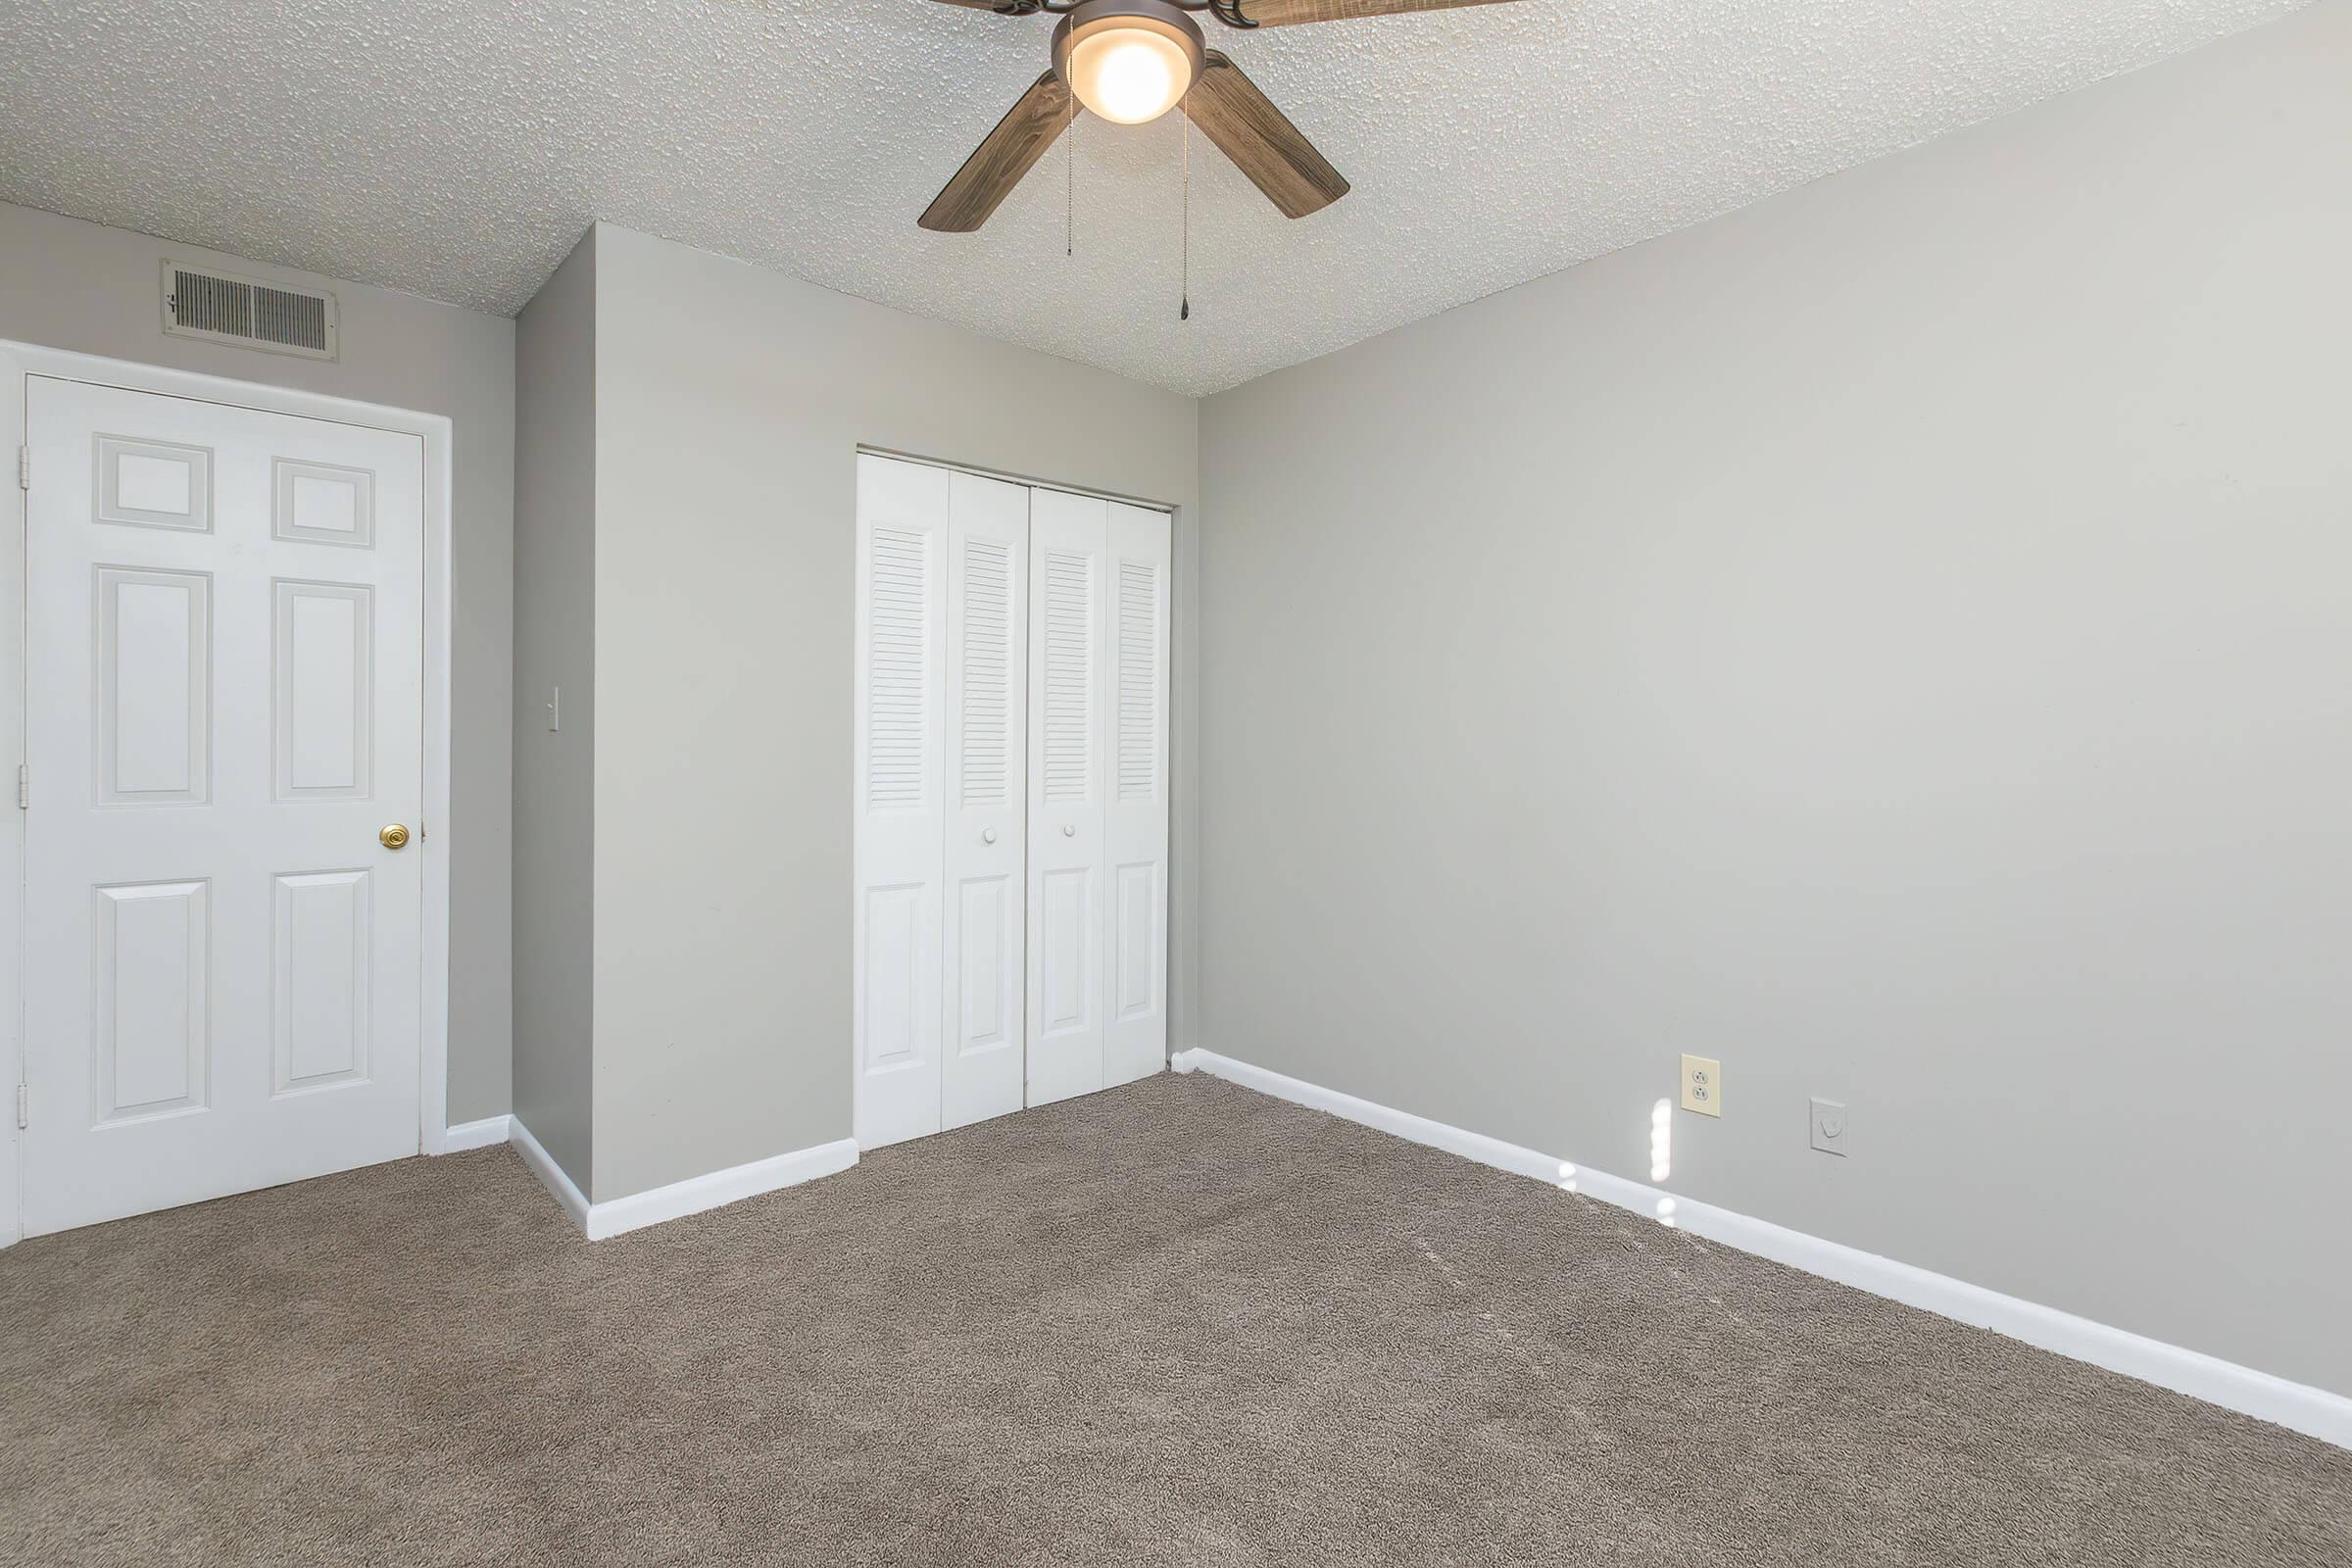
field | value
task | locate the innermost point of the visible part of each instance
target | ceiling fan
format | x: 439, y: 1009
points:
x: 1132, y: 60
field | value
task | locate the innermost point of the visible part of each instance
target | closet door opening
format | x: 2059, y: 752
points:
x: 1011, y: 941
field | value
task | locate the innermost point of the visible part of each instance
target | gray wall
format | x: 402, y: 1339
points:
x: 555, y: 648
x: 727, y: 424
x: 1893, y: 638
x: 72, y: 285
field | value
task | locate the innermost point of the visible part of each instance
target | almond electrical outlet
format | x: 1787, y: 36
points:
x: 1702, y: 1085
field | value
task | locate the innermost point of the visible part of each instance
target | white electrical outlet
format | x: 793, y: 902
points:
x: 1828, y: 1126
x: 1702, y: 1085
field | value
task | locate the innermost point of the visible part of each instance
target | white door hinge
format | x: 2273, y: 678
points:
x: 24, y: 468
x: 24, y: 1106
x: 23, y: 789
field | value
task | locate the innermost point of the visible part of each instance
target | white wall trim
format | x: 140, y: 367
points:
x: 720, y: 1188
x: 551, y: 1175
x: 475, y: 1134
x: 716, y: 1189
x: 2313, y: 1411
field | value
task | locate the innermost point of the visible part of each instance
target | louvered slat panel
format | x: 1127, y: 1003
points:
x: 1138, y: 679
x: 298, y: 321
x: 1069, y: 687
x: 987, y: 654
x: 896, y: 737
x: 214, y: 304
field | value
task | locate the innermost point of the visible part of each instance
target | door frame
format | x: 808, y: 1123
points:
x: 867, y: 449
x: 19, y: 363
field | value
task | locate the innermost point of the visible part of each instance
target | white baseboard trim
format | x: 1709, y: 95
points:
x: 718, y: 1188
x: 475, y: 1135
x: 551, y: 1175
x: 2313, y: 1411
x: 597, y: 1221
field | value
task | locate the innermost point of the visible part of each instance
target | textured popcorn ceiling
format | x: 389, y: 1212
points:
x: 457, y: 148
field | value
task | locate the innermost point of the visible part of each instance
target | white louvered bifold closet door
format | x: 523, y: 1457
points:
x: 1134, y: 833
x: 1068, y: 642
x: 987, y: 701
x: 1098, y: 794
x: 901, y: 761
x: 942, y: 789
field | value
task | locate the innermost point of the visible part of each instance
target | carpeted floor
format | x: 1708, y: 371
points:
x: 1174, y: 1323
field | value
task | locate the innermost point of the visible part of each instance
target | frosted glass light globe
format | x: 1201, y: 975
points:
x: 1128, y: 61
x: 1129, y: 75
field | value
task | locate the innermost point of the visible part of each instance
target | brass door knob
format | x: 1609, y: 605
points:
x: 395, y: 836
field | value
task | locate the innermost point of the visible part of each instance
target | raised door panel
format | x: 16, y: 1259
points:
x: 153, y: 484
x: 986, y: 945
x: 153, y: 726
x: 152, y: 1015
x: 1065, y: 952
x: 321, y: 503
x: 1135, y: 948
x: 984, y: 839
x: 899, y: 960
x: 322, y: 958
x: 323, y: 657
x: 1136, y: 941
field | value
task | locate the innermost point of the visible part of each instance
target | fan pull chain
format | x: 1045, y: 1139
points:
x: 1184, y: 311
x: 1069, y: 180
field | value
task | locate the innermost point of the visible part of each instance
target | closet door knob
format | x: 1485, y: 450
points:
x: 988, y: 835
x: 1070, y: 830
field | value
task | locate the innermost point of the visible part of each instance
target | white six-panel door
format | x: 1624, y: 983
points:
x: 225, y: 640
x: 1011, y: 838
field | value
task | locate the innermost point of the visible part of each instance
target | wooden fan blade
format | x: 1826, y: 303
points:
x: 1290, y: 13
x: 997, y: 164
x: 1262, y: 144
x: 999, y: 6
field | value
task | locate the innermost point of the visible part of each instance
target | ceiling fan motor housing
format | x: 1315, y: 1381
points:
x: 1091, y: 17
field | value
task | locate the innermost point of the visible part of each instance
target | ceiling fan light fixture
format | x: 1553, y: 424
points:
x: 1128, y: 61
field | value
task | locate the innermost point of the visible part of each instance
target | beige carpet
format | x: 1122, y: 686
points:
x: 1175, y: 1323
